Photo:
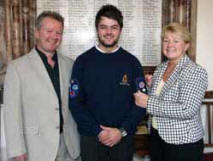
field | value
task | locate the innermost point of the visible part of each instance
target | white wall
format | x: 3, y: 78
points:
x: 204, y: 53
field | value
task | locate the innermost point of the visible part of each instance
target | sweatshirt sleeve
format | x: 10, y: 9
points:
x: 77, y: 101
x: 137, y: 113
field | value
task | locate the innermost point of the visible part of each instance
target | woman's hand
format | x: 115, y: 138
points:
x: 148, y: 79
x: 141, y: 99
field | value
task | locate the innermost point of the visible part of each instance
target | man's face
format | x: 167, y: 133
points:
x: 49, y: 35
x: 108, y: 33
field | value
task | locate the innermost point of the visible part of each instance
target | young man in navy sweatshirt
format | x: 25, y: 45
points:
x: 103, y: 81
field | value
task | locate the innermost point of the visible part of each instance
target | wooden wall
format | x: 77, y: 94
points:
x: 17, y: 30
x: 3, y: 57
x: 184, y: 12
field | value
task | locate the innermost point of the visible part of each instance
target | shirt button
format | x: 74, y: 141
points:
x: 56, y: 108
x: 57, y: 127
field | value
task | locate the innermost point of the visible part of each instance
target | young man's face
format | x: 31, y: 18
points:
x: 108, y: 33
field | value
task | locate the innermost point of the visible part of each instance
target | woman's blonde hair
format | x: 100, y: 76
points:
x: 179, y: 29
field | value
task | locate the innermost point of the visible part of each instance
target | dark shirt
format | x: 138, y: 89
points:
x: 102, y: 88
x: 54, y: 76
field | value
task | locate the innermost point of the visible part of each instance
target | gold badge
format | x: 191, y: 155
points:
x: 125, y: 80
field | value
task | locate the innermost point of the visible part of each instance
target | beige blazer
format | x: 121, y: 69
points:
x: 31, y: 109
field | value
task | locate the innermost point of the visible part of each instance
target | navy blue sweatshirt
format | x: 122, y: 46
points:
x: 101, y: 91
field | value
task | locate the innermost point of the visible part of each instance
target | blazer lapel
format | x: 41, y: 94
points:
x: 62, y: 70
x: 157, y: 77
x: 40, y: 69
x: 174, y: 76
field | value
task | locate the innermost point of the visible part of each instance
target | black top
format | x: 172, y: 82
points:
x: 101, y: 91
x: 55, y: 79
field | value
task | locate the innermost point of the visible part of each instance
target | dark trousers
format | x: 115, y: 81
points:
x: 93, y: 150
x: 162, y: 151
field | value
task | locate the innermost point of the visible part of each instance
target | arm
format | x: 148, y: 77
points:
x: 111, y: 136
x: 190, y: 95
x: 13, y: 115
x: 136, y: 114
x: 78, y: 104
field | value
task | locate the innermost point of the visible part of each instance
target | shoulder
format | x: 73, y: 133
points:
x: 130, y: 57
x: 22, y: 60
x: 18, y: 66
x: 194, y: 74
x: 127, y: 54
x: 193, y: 70
x: 89, y: 54
x: 65, y: 59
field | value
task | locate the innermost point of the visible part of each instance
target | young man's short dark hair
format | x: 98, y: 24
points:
x: 111, y: 12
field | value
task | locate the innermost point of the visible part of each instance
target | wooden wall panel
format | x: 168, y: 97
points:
x: 3, y: 55
x: 17, y: 19
x: 184, y: 12
x: 20, y: 17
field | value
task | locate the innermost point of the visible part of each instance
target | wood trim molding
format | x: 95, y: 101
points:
x: 149, y: 69
x: 209, y: 94
x: 193, y: 30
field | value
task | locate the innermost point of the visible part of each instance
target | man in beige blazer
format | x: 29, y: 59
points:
x: 38, y: 124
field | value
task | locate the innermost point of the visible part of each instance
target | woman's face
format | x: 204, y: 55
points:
x: 173, y: 46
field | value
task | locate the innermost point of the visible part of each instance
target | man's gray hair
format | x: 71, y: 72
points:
x: 50, y: 14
